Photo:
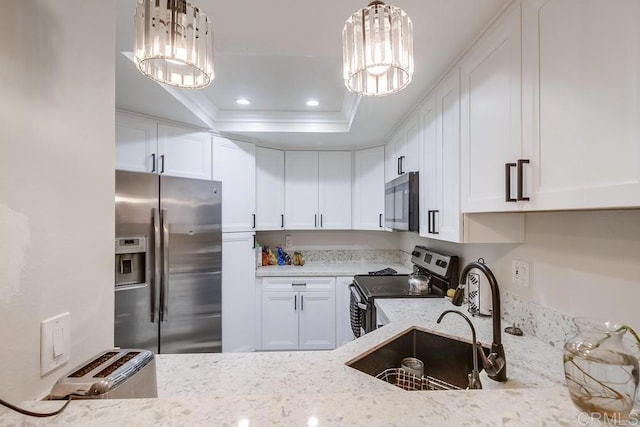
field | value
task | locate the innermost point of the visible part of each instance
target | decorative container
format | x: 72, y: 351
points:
x: 600, y: 371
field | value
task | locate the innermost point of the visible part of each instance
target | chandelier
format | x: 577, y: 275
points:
x: 377, y: 47
x: 173, y: 43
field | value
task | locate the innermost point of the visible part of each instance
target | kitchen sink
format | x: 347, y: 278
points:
x: 445, y: 359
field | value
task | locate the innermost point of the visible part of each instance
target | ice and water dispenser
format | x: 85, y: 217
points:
x: 131, y: 258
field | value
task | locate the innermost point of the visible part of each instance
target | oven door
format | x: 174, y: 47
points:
x: 357, y: 311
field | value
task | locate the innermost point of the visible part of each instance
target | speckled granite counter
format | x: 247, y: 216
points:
x: 316, y: 388
x: 327, y: 269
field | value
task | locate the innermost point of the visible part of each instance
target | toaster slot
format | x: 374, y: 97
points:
x: 117, y: 364
x: 93, y: 364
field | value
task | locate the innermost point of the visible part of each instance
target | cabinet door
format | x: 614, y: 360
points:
x: 344, y: 334
x: 317, y: 320
x: 581, y: 62
x: 269, y: 189
x: 447, y: 216
x: 334, y: 190
x: 491, y: 111
x: 234, y: 165
x: 280, y: 320
x: 410, y: 153
x: 136, y: 143
x: 301, y: 190
x: 368, y: 189
x: 394, y: 150
x: 238, y: 292
x: 428, y: 168
x: 184, y: 152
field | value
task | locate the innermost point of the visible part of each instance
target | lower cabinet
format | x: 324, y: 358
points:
x: 238, y: 287
x: 344, y: 334
x: 298, y: 313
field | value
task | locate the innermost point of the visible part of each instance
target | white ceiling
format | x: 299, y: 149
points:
x: 280, y: 53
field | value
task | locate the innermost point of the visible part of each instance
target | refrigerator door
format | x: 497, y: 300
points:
x: 191, y: 286
x: 136, y: 203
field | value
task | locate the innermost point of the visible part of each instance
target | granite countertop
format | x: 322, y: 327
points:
x: 316, y: 388
x: 327, y: 269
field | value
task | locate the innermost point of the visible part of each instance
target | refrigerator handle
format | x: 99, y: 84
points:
x: 164, y: 283
x: 156, y: 263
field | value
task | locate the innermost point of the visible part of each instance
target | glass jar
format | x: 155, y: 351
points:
x: 600, y: 371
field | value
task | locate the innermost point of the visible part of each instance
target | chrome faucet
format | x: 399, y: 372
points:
x: 496, y: 363
x: 474, y: 376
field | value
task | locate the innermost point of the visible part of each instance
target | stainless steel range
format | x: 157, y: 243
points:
x: 435, y: 271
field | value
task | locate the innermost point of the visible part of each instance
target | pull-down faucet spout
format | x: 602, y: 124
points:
x: 496, y: 363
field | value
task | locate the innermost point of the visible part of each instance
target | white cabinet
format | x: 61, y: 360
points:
x: 334, y: 190
x: 368, y: 189
x: 344, y: 334
x: 298, y: 313
x: 402, y: 151
x: 440, y: 114
x: 491, y: 117
x: 238, y: 292
x: 269, y: 189
x: 144, y: 145
x: 235, y: 165
x: 317, y: 190
x: 581, y: 104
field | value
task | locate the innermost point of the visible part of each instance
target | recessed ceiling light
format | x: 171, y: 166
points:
x: 243, y: 101
x: 312, y: 103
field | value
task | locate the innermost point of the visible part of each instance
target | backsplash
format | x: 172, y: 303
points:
x: 544, y: 323
x: 382, y: 256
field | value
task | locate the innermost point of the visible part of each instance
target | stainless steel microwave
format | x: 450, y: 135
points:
x: 401, y: 204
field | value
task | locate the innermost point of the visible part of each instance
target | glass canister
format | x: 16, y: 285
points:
x: 600, y: 371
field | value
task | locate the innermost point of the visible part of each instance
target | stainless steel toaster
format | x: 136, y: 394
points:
x: 113, y: 374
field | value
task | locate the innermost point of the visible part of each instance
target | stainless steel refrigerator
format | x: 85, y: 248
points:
x: 168, y: 263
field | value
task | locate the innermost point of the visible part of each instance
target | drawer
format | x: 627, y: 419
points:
x: 307, y: 284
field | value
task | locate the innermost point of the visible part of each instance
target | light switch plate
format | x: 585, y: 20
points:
x: 55, y: 342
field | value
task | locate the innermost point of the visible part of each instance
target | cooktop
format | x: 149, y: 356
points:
x: 390, y: 286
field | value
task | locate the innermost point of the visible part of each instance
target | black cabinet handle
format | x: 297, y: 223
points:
x: 521, y: 162
x: 320, y: 220
x: 399, y: 173
x: 298, y: 284
x: 282, y: 221
x: 402, y: 165
x: 162, y: 162
x: 254, y: 220
x: 507, y: 179
x: 380, y: 220
x: 301, y: 302
x: 295, y: 302
x: 315, y: 221
x: 434, y: 221
x: 153, y: 162
x: 429, y: 229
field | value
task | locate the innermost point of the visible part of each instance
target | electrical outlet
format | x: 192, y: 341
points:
x: 288, y: 241
x: 520, y: 273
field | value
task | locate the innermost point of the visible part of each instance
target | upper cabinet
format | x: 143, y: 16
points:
x: 581, y: 104
x: 317, y: 190
x: 491, y: 128
x: 144, y: 145
x: 402, y: 151
x: 269, y: 189
x: 368, y: 189
x: 235, y: 165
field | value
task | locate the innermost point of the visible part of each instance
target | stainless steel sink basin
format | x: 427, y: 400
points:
x: 446, y: 359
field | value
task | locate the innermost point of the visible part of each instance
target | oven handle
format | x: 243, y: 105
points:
x: 357, y: 296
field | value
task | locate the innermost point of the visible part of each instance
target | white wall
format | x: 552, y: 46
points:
x: 56, y: 183
x: 581, y: 263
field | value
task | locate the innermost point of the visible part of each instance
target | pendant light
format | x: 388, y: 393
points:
x: 173, y: 43
x: 377, y: 47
